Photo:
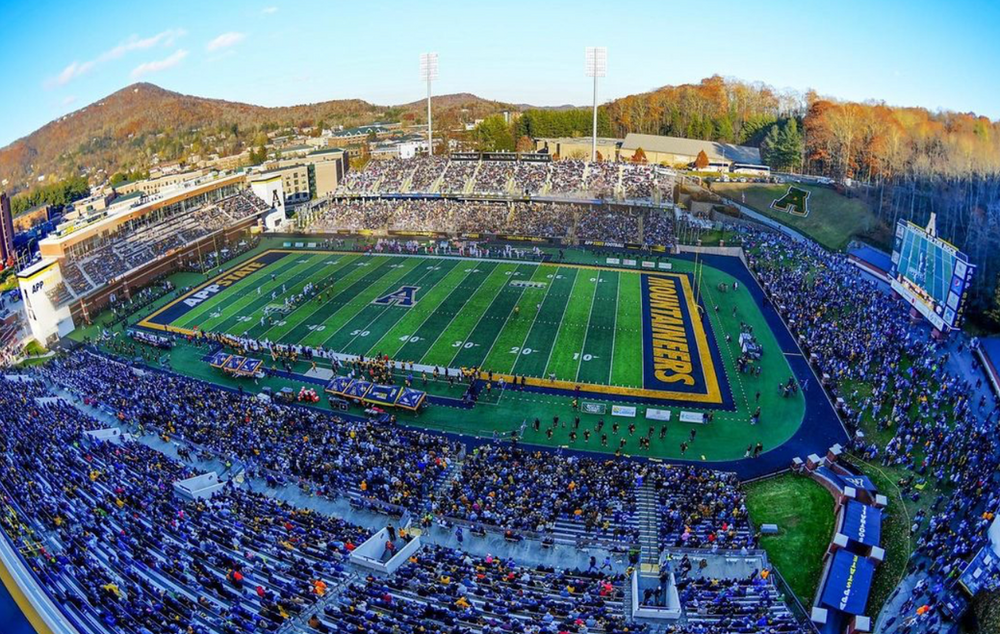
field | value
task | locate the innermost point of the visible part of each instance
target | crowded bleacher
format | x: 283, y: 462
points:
x: 609, y: 223
x: 563, y: 178
x: 155, y: 239
x: 244, y: 560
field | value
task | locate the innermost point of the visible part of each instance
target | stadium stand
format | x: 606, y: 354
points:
x: 551, y: 220
x: 565, y: 178
x: 153, y: 240
x: 123, y: 553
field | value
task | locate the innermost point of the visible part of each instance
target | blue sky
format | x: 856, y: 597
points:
x: 60, y: 56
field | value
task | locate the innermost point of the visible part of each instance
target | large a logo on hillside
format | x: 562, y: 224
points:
x: 405, y: 297
x: 794, y: 202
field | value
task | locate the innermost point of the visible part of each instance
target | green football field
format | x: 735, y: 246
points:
x: 570, y: 322
x: 582, y: 322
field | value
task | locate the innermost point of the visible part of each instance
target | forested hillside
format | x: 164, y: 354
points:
x: 128, y: 128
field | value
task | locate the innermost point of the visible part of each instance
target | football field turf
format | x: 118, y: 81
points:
x: 588, y: 321
x: 562, y: 326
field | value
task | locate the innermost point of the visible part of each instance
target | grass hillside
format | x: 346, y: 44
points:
x: 803, y: 511
x: 833, y: 218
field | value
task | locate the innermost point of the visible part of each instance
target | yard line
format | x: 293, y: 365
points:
x: 430, y: 314
x: 614, y: 333
x: 445, y: 329
x: 293, y: 284
x: 534, y: 322
x: 492, y: 301
x: 587, y: 336
x: 227, y: 305
x: 496, y: 338
x: 381, y: 284
x: 346, y: 282
x: 385, y: 309
x: 337, y: 268
x: 562, y: 320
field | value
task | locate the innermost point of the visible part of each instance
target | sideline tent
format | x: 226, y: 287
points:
x: 357, y: 389
x: 384, y: 395
x: 234, y: 364
x: 849, y: 583
x: 218, y: 359
x: 411, y: 399
x: 338, y: 385
x: 862, y: 523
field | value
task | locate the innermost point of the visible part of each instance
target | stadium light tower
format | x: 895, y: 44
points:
x: 429, y: 72
x: 597, y: 66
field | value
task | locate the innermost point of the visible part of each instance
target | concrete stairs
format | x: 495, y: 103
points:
x: 648, y: 520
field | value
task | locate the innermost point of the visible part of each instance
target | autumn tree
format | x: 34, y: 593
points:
x: 524, y: 144
x: 639, y: 156
x: 701, y: 161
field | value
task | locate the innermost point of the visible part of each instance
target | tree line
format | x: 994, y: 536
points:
x: 59, y: 194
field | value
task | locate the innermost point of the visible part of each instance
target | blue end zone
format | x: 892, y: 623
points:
x: 696, y: 351
x: 190, y: 300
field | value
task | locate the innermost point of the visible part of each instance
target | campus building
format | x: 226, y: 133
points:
x: 579, y: 147
x: 676, y: 152
x: 360, y: 134
x: 61, y: 288
x: 156, y: 184
x: 312, y: 175
x: 6, y: 231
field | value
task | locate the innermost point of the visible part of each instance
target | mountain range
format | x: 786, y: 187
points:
x: 124, y: 129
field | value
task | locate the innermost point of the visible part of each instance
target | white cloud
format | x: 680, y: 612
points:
x: 160, y: 64
x: 269, y: 10
x: 133, y: 43
x: 72, y: 71
x: 225, y: 41
x: 68, y: 100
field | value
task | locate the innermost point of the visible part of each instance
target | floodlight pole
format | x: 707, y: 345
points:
x: 596, y: 66
x: 428, y: 72
x: 593, y: 140
x: 430, y: 134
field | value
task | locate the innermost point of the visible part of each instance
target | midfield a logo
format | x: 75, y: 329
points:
x: 405, y: 297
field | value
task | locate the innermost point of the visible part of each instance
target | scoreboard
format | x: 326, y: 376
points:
x: 930, y: 274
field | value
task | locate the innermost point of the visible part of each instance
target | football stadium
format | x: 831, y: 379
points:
x: 466, y: 366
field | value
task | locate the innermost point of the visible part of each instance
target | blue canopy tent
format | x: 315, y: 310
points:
x: 411, y: 399
x: 357, y: 389
x: 338, y: 385
x: 233, y: 363
x: 849, y: 582
x: 217, y: 359
x: 250, y: 367
x: 862, y: 523
x: 384, y: 395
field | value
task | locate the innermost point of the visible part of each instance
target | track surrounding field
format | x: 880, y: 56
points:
x: 562, y: 325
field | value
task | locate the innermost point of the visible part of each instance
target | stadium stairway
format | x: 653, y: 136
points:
x: 470, y: 184
x: 648, y: 518
x: 300, y: 622
x: 453, y: 472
